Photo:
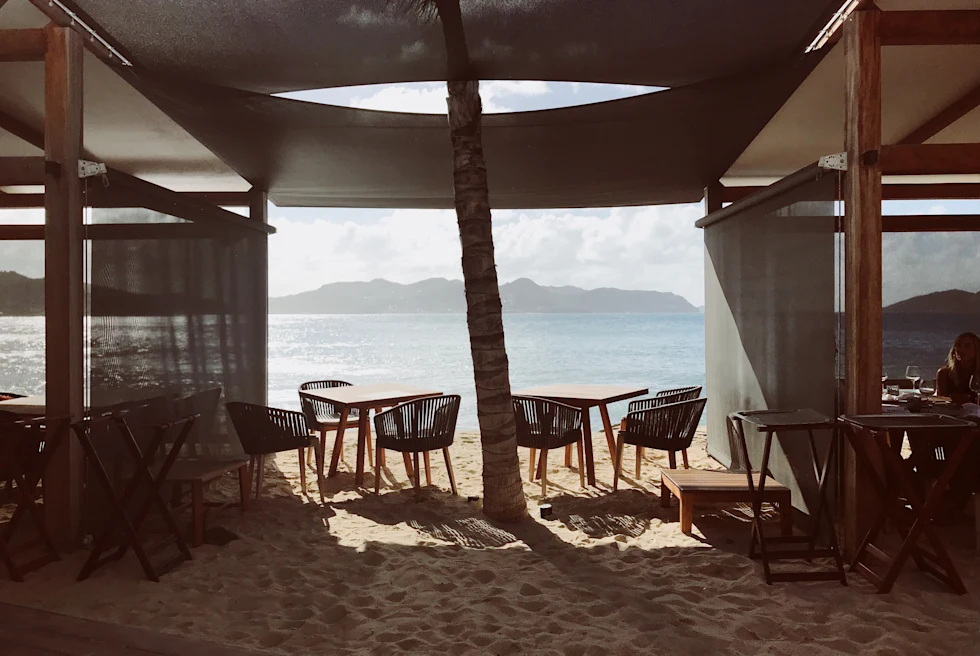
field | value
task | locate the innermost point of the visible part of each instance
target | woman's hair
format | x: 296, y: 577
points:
x: 957, y: 370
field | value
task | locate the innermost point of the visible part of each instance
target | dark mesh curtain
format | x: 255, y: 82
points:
x: 175, y: 311
x: 770, y: 321
x: 929, y: 296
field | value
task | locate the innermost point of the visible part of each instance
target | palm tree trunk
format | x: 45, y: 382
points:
x: 502, y: 488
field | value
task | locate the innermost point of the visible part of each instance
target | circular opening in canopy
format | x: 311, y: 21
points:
x: 499, y: 96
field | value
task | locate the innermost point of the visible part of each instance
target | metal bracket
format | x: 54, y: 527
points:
x: 835, y: 162
x: 87, y: 169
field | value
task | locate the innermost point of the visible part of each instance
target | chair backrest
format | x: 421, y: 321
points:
x: 263, y: 431
x: 664, y: 397
x: 201, y: 441
x: 545, y: 424
x: 313, y: 407
x: 668, y: 427
x: 420, y: 425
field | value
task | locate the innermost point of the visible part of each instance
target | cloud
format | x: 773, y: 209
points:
x: 634, y: 248
x: 921, y: 263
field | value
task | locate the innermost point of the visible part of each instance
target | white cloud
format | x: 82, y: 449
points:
x: 429, y: 98
x: 632, y: 248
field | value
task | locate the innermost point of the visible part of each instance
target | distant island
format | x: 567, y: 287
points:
x: 952, y: 301
x: 438, y: 295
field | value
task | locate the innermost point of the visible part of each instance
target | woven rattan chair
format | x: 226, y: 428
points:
x: 265, y: 431
x: 669, y: 427
x: 323, y: 417
x: 416, y: 427
x: 663, y: 397
x: 545, y: 425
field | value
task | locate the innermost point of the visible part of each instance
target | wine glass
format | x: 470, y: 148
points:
x: 927, y: 388
x: 975, y: 386
x: 914, y: 375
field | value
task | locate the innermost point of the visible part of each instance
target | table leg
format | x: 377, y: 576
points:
x: 607, y: 425
x: 338, y: 445
x: 587, y: 433
x: 362, y: 425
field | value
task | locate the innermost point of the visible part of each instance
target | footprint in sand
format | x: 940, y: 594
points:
x: 448, y: 586
x: 533, y: 606
x: 299, y: 614
x: 863, y: 633
x: 529, y: 590
x: 395, y: 597
x: 374, y: 559
x: 272, y: 639
x: 334, y: 615
x: 484, y: 576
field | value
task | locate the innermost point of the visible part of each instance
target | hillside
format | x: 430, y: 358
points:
x: 440, y: 295
x: 953, y: 301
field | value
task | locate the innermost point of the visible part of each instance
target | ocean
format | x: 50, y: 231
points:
x: 657, y: 351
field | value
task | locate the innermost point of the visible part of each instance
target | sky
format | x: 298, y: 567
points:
x: 654, y: 248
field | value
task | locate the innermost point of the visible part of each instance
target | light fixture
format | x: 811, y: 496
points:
x: 833, y: 25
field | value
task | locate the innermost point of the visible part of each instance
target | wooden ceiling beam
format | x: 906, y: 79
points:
x: 930, y: 191
x: 931, y: 159
x: 100, y: 199
x: 22, y: 171
x: 933, y: 27
x: 945, y: 118
x: 931, y: 223
x: 22, y: 45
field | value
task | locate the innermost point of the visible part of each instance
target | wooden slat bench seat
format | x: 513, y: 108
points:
x: 692, y: 487
x: 197, y: 473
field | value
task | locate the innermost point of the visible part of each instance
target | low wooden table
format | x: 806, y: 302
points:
x: 587, y: 397
x: 25, y: 405
x: 692, y: 486
x: 364, y: 398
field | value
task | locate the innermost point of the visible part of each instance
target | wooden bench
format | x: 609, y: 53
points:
x: 197, y: 473
x: 692, y: 486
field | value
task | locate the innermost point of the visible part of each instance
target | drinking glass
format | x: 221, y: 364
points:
x: 927, y: 388
x: 914, y: 375
x: 975, y: 387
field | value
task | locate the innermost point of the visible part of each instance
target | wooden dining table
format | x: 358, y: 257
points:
x: 363, y: 398
x: 25, y: 405
x: 586, y: 397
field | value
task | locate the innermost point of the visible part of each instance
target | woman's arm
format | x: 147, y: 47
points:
x: 942, y: 382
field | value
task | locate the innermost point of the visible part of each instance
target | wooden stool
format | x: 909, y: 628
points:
x: 692, y: 486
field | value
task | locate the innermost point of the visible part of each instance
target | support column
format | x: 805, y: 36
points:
x: 713, y: 195
x: 258, y: 210
x: 63, y: 275
x: 862, y: 247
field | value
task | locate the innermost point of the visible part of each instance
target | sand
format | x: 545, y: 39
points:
x: 609, y: 573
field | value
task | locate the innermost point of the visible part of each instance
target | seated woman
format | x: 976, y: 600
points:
x: 962, y: 365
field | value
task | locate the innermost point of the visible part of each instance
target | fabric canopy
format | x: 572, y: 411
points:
x: 662, y: 147
x: 271, y: 47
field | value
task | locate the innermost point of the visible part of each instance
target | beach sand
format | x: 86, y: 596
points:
x: 608, y: 573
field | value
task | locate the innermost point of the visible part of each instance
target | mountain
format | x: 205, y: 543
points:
x: 440, y: 295
x: 952, y: 301
x: 20, y: 295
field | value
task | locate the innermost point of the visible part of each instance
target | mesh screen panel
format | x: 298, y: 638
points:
x: 177, y: 309
x: 770, y: 323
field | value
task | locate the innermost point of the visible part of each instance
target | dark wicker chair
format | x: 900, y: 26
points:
x: 323, y: 417
x: 547, y: 425
x: 663, y: 397
x: 418, y: 427
x: 264, y: 431
x: 669, y: 427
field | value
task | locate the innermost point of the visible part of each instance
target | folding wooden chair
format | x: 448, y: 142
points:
x: 26, y: 447
x: 143, y: 481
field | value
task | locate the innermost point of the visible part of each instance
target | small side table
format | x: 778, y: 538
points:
x: 786, y: 421
x: 868, y: 435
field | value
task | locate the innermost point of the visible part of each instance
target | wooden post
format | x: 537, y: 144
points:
x: 258, y: 210
x: 862, y: 247
x: 713, y: 197
x: 63, y: 275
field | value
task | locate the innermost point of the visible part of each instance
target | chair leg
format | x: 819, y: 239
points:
x: 244, y: 484
x: 672, y: 458
x: 408, y: 466
x: 197, y: 513
x: 259, y: 476
x: 418, y: 476
x: 581, y: 463
x: 370, y: 448
x: 687, y: 465
x: 639, y: 461
x: 530, y: 470
x: 618, y: 463
x: 319, y: 451
x: 449, y: 468
x: 544, y: 473
x: 302, y: 472
x: 377, y: 474
x: 252, y: 473
x: 428, y: 470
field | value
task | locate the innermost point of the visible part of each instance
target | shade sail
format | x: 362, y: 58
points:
x: 268, y: 46
x: 663, y: 147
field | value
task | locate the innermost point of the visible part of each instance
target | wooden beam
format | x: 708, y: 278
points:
x: 97, y: 198
x: 32, y: 232
x: 117, y: 231
x: 714, y: 195
x: 928, y: 191
x: 930, y: 159
x: 259, y: 256
x: 59, y: 17
x: 22, y: 45
x: 936, y: 27
x: 64, y: 277
x: 22, y: 171
x: 862, y: 247
x: 945, y: 118
x: 931, y: 223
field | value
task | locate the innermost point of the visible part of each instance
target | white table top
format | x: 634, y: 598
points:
x: 370, y: 396
x: 29, y: 405
x: 584, y: 394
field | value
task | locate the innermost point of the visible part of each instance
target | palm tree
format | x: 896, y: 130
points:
x: 502, y: 488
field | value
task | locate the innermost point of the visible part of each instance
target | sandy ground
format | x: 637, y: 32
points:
x: 609, y: 573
